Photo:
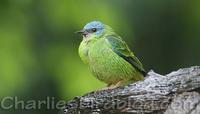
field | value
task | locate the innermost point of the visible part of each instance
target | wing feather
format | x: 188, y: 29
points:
x: 121, y: 49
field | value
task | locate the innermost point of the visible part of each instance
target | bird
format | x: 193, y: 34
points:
x: 108, y: 56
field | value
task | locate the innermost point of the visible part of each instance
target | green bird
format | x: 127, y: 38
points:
x: 108, y: 56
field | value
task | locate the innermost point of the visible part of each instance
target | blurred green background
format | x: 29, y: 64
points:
x: 38, y: 47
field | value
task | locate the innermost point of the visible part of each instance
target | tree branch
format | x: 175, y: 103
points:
x: 157, y: 94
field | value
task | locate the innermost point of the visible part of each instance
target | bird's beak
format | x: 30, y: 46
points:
x: 82, y: 32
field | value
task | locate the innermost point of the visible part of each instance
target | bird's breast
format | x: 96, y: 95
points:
x: 83, y: 51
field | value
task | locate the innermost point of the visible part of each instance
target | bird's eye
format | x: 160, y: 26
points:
x: 94, y: 30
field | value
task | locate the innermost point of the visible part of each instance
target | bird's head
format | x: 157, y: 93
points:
x: 94, y: 29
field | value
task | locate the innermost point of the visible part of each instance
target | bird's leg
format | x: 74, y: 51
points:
x: 108, y: 87
x: 113, y: 86
x: 119, y: 83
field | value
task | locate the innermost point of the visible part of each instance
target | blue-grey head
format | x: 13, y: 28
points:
x: 94, y: 28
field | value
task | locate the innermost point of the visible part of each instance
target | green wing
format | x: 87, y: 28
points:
x: 121, y: 49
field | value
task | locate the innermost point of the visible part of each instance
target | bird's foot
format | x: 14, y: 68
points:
x: 120, y: 83
x: 110, y: 87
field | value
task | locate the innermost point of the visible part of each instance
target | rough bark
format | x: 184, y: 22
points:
x: 174, y: 93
